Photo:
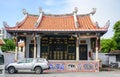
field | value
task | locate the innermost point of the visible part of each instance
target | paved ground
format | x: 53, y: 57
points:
x: 70, y: 74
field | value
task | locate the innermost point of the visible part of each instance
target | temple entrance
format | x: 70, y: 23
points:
x: 83, y: 52
x: 58, y: 47
x: 58, y: 51
x: 31, y: 50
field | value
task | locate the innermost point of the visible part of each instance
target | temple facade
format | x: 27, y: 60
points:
x: 57, y: 37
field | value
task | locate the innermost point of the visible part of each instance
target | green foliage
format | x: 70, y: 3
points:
x: 9, y: 45
x: 108, y: 45
x: 111, y: 44
x: 116, y: 36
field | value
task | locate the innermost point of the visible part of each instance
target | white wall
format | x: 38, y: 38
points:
x: 9, y: 57
x: 28, y: 41
x: 103, y: 57
x: 112, y: 59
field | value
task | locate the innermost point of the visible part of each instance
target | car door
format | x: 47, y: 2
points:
x: 20, y: 64
x: 28, y: 64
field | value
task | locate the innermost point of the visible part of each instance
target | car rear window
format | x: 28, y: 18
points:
x: 41, y: 60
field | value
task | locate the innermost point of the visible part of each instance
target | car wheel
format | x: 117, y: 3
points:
x: 38, y: 70
x: 11, y: 70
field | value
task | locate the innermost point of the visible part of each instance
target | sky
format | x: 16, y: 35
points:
x: 11, y: 10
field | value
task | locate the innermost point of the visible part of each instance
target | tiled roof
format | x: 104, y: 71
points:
x: 56, y: 23
x: 2, y: 42
x: 28, y: 23
x: 85, y: 23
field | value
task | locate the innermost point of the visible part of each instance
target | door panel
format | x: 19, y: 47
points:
x: 83, y: 52
x: 58, y: 51
x: 31, y: 50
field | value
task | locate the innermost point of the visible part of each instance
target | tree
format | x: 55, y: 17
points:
x: 9, y: 45
x: 108, y: 45
x: 116, y: 36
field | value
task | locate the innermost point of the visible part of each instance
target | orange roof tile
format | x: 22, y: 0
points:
x: 29, y: 22
x: 85, y: 23
x: 57, y: 22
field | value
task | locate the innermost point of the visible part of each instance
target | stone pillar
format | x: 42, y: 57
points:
x: 34, y: 47
x: 97, y: 39
x: 77, y: 48
x: 38, y: 46
x: 16, y: 48
x: 24, y: 51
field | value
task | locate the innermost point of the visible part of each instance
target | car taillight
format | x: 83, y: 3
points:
x: 47, y: 60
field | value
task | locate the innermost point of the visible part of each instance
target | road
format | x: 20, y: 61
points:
x: 70, y: 74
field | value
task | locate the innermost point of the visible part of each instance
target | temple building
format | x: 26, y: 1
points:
x: 58, y: 37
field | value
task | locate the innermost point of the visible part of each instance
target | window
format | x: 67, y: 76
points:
x: 22, y: 61
x: 118, y: 58
x: 29, y: 60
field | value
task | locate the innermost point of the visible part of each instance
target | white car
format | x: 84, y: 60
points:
x: 33, y: 64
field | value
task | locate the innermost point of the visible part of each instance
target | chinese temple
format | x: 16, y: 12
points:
x: 59, y: 37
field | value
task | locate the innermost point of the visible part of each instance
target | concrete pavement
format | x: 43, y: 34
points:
x: 70, y: 74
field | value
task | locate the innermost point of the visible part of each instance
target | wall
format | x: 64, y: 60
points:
x: 28, y: 41
x: 103, y: 57
x: 112, y: 59
x: 9, y: 57
x: 73, y: 66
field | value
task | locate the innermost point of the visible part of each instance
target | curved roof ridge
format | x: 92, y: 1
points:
x: 69, y: 14
x: 33, y: 15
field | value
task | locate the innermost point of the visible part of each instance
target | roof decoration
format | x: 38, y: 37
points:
x: 24, y: 11
x: 64, y: 22
x: 75, y: 17
x: 40, y: 18
x: 93, y: 11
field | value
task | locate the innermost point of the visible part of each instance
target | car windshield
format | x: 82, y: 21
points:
x: 1, y: 59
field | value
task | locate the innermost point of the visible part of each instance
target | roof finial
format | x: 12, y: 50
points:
x: 24, y: 11
x: 40, y: 10
x: 93, y: 11
x: 5, y: 24
x: 107, y: 24
x: 97, y: 24
x: 75, y: 10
